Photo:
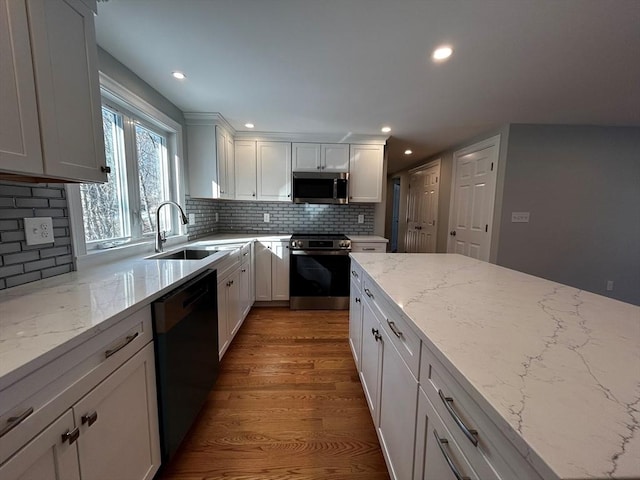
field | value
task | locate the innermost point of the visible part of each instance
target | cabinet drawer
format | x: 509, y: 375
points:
x: 379, y: 247
x: 395, y: 324
x: 492, y: 451
x: 356, y: 273
x: 245, y: 253
x: 50, y: 390
x: 229, y: 263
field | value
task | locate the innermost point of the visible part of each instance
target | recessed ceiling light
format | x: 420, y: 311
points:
x: 408, y: 152
x: 249, y: 125
x: 442, y: 53
x: 386, y: 129
x: 178, y: 75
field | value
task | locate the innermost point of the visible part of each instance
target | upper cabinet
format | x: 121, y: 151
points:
x: 246, y: 169
x: 50, y: 108
x: 326, y: 157
x: 366, y: 165
x: 274, y: 171
x: 210, y: 149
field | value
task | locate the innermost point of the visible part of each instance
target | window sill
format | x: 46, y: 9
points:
x: 141, y: 249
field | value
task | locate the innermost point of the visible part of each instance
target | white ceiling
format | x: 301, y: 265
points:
x: 352, y: 66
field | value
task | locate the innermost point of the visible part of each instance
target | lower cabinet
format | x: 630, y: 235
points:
x: 355, y: 322
x: 370, y: 359
x: 111, y: 432
x: 272, y: 271
x: 437, y: 455
x: 229, y: 314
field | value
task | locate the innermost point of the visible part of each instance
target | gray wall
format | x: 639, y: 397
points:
x: 19, y: 262
x: 581, y: 185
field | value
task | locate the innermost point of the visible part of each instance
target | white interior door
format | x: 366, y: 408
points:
x: 422, y: 210
x: 470, y: 224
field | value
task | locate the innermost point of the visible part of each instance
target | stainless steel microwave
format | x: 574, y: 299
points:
x: 320, y: 187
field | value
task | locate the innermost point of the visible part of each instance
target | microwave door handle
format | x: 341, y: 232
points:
x: 335, y: 188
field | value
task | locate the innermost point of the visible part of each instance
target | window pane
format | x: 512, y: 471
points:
x: 153, y: 177
x: 105, y: 206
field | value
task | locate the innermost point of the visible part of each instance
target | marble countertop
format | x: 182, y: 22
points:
x: 556, y: 368
x: 368, y: 238
x: 40, y: 321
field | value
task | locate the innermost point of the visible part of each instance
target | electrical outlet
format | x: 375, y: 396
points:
x: 216, y: 216
x: 38, y: 230
x: 360, y: 218
x: 267, y: 218
x: 519, y: 217
x: 192, y: 218
x: 609, y: 285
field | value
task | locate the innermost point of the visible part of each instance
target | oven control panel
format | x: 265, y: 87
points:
x: 320, y: 243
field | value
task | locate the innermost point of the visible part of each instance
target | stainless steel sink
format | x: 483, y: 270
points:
x: 183, y: 254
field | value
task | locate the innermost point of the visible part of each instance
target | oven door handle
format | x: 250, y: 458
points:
x: 313, y: 253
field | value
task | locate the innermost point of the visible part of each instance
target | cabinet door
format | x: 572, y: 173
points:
x: 398, y: 405
x: 47, y: 456
x: 274, y: 171
x: 365, y: 173
x: 221, y: 157
x: 355, y: 322
x: 280, y: 271
x: 263, y: 252
x: 118, y: 420
x: 335, y: 157
x: 370, y: 358
x: 203, y: 173
x: 245, y: 290
x: 436, y: 453
x: 229, y: 158
x: 305, y: 157
x: 65, y: 59
x: 224, y: 335
x: 234, y: 310
x: 20, y: 148
x: 245, y: 162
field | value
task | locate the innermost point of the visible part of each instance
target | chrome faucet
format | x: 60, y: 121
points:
x: 160, y: 236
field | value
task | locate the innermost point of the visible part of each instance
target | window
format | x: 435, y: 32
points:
x: 124, y: 208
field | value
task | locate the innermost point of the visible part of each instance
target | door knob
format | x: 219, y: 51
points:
x: 452, y: 233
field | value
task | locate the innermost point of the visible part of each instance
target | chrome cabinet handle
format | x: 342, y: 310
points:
x: 452, y: 466
x: 357, y: 300
x: 471, y: 434
x: 393, y: 328
x: 354, y: 273
x: 89, y: 418
x: 13, y: 422
x: 105, y: 169
x: 124, y: 343
x: 376, y: 334
x: 71, y: 435
x: 368, y: 292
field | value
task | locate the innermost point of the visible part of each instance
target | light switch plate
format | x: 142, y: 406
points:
x: 519, y: 217
x: 38, y: 230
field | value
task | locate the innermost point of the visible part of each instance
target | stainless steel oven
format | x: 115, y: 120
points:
x: 319, y: 272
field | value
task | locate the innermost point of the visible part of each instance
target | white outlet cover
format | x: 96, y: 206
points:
x: 519, y: 217
x: 360, y: 218
x: 267, y: 218
x: 192, y: 218
x: 38, y: 230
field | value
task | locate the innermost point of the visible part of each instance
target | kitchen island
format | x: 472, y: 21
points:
x: 554, y: 368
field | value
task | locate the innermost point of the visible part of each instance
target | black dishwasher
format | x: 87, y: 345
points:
x: 185, y: 324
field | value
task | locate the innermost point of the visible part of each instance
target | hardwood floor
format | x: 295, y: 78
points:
x: 288, y: 405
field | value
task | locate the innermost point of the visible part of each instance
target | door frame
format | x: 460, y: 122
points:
x: 434, y: 163
x: 481, y: 145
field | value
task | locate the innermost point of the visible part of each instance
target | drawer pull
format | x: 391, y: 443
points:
x: 368, y: 249
x: 71, y: 436
x: 376, y: 334
x: 357, y: 300
x: 393, y: 328
x: 354, y: 273
x: 89, y: 418
x: 13, y: 422
x: 452, y: 466
x: 125, y: 342
x: 471, y: 434
x: 368, y: 292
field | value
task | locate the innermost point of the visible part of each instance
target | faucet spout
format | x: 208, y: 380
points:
x: 160, y: 235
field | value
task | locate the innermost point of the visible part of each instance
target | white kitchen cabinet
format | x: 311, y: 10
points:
x: 246, y: 170
x: 47, y: 456
x: 210, y: 149
x: 372, y: 247
x: 49, y: 92
x: 93, y: 410
x: 272, y: 271
x: 117, y: 420
x: 371, y: 359
x: 366, y: 165
x: 246, y: 280
x: 274, y: 171
x: 229, y: 315
x: 327, y: 157
x: 355, y: 318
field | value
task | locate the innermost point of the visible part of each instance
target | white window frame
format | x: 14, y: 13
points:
x: 120, y: 98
